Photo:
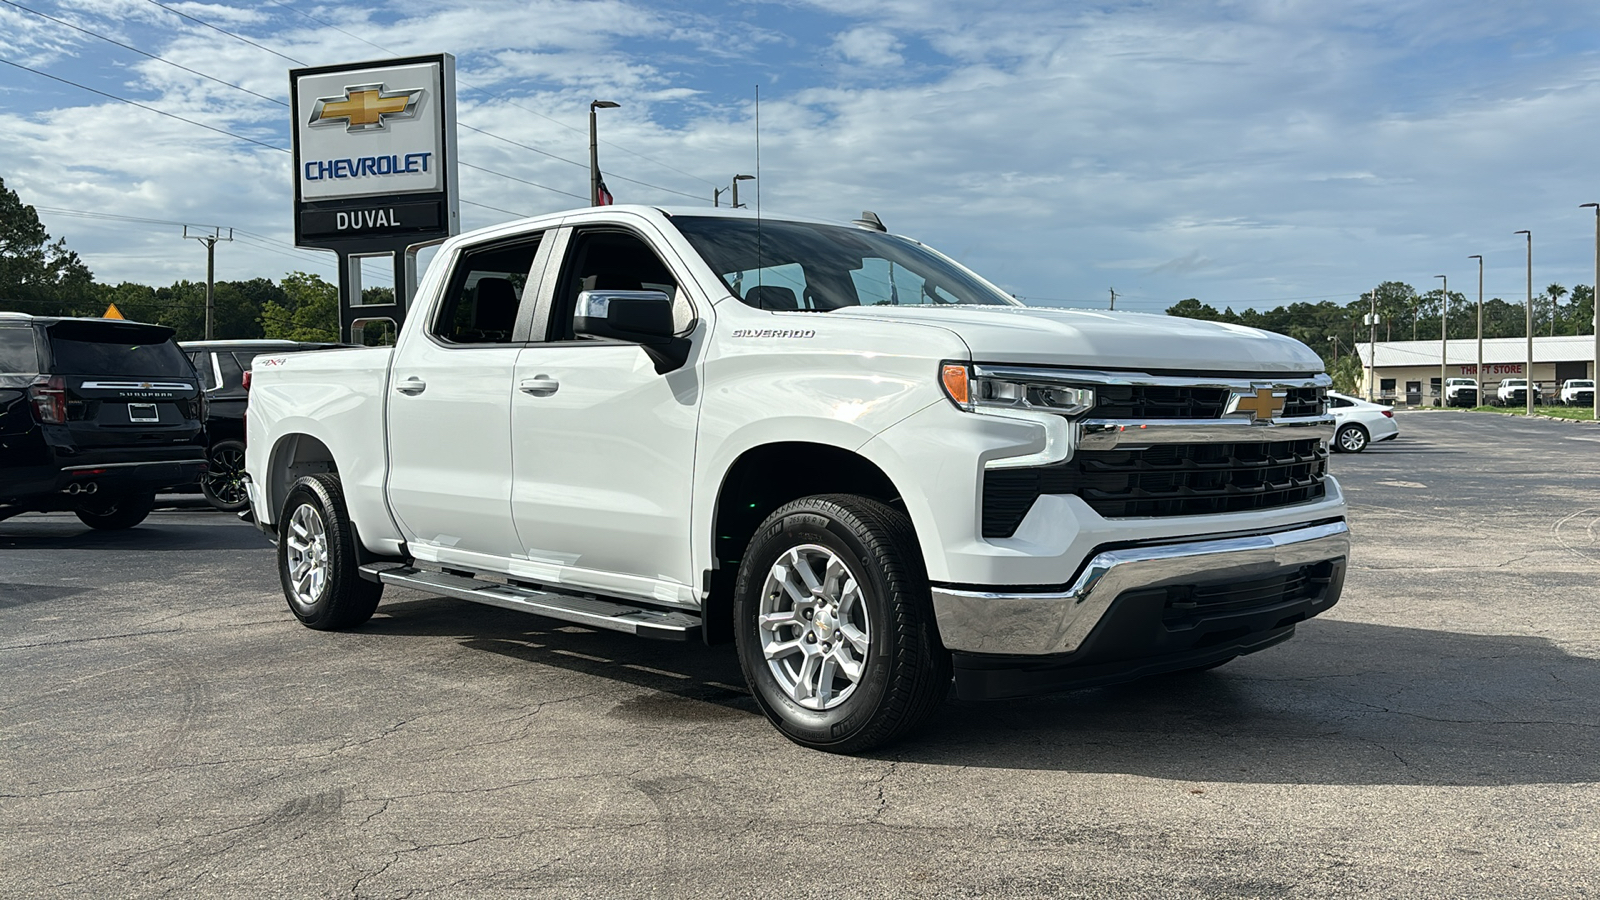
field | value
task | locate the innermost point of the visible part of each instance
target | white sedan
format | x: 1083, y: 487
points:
x: 1358, y: 423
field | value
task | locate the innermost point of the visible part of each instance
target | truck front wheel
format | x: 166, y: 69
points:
x: 317, y: 558
x: 834, y: 625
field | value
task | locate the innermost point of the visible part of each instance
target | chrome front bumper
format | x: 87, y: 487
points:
x: 1036, y: 624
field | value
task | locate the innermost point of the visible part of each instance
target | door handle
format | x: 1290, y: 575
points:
x: 539, y: 385
x: 412, y: 386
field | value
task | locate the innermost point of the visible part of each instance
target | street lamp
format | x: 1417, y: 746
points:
x: 1528, y: 373
x: 736, y: 180
x: 594, y: 151
x: 1594, y: 303
x: 1481, y: 400
x: 1444, y: 335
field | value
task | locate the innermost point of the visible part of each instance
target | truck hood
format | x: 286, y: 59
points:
x: 1083, y: 338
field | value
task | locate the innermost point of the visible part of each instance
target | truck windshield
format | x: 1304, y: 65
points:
x: 781, y: 265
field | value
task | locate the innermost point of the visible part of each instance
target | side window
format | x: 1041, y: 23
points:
x: 607, y: 260
x: 1339, y: 402
x: 17, y: 354
x: 480, y: 305
x: 202, y: 368
x: 232, y: 374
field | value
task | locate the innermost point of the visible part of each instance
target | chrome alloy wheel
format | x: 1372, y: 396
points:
x: 814, y: 626
x: 1352, y: 440
x: 307, y: 541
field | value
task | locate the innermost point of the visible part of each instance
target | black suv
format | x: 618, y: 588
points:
x: 222, y: 366
x: 95, y: 416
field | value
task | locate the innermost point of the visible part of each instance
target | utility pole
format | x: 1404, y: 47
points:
x: 1528, y: 374
x: 1594, y: 305
x: 1444, y: 335
x: 210, y: 240
x: 1482, y: 400
x: 1113, y: 299
x: 716, y: 197
x: 1372, y: 346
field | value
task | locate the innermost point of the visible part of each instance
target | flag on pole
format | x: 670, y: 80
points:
x: 605, y: 194
x: 113, y: 313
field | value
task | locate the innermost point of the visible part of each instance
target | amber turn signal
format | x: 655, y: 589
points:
x: 954, y: 379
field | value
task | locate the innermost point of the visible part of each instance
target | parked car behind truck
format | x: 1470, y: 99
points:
x: 95, y: 416
x: 864, y: 465
x: 223, y: 367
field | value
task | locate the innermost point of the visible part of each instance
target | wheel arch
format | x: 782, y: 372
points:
x: 763, y: 478
x: 293, y: 456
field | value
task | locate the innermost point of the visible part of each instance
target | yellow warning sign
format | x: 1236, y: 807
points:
x: 112, y: 312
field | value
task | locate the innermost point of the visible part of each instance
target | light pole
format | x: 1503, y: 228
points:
x: 1444, y: 335
x: 1479, y: 370
x: 1528, y: 373
x: 736, y: 180
x: 1372, y: 345
x: 594, y: 151
x: 1593, y: 291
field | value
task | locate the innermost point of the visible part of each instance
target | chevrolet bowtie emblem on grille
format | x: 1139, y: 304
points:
x: 1262, y: 404
x: 365, y: 107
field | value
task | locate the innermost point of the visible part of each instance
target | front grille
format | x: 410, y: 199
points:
x: 1164, y: 480
x: 1140, y: 401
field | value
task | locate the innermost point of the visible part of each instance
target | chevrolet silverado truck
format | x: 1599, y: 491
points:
x: 870, y: 470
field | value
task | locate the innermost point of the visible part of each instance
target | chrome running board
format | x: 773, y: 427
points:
x: 651, y: 623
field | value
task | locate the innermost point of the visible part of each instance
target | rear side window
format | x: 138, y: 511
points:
x: 17, y: 356
x: 485, y: 292
x: 232, y: 374
x: 77, y: 356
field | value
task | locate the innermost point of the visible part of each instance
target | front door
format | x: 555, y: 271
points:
x: 450, y: 412
x: 602, y: 445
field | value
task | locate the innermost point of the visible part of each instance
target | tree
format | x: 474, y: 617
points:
x: 309, y: 311
x: 1194, y: 309
x: 1582, y: 309
x: 36, y: 275
x: 1555, y: 292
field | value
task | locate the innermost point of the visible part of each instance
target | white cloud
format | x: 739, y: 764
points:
x: 875, y: 47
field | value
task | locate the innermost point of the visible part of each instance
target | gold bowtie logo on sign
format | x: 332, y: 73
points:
x: 1262, y: 404
x: 365, y: 107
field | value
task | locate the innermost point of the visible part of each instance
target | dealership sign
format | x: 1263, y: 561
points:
x: 374, y: 152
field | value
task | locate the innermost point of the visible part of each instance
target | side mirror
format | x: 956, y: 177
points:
x: 638, y: 317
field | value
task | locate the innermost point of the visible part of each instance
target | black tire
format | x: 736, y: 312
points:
x: 117, y: 513
x: 904, y: 670
x: 1350, y: 439
x: 223, y: 483
x: 340, y: 598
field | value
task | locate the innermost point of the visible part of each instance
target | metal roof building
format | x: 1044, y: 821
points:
x: 1408, y: 371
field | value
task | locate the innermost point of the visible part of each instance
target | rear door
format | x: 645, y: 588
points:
x: 450, y: 409
x: 125, y: 386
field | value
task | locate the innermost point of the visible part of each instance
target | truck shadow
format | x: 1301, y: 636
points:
x: 163, y: 531
x: 1342, y: 703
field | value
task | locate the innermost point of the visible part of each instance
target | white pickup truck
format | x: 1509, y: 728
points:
x: 864, y: 465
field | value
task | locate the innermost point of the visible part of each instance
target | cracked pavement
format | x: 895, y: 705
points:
x: 166, y: 728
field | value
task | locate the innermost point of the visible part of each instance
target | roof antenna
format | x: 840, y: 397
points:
x: 758, y: 184
x: 869, y: 219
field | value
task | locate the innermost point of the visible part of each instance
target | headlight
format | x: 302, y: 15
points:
x: 973, y: 391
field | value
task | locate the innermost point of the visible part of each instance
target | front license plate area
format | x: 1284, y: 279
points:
x: 143, y: 412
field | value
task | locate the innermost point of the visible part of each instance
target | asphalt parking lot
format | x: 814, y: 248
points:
x: 166, y: 727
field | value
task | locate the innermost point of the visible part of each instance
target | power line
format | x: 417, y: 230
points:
x: 143, y: 106
x: 515, y: 178
x: 141, y: 52
x: 226, y: 32
x: 498, y: 209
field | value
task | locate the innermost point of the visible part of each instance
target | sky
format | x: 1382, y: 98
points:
x: 1248, y: 153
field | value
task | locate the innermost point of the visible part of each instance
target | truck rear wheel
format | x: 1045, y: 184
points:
x: 317, y: 558
x: 834, y: 626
